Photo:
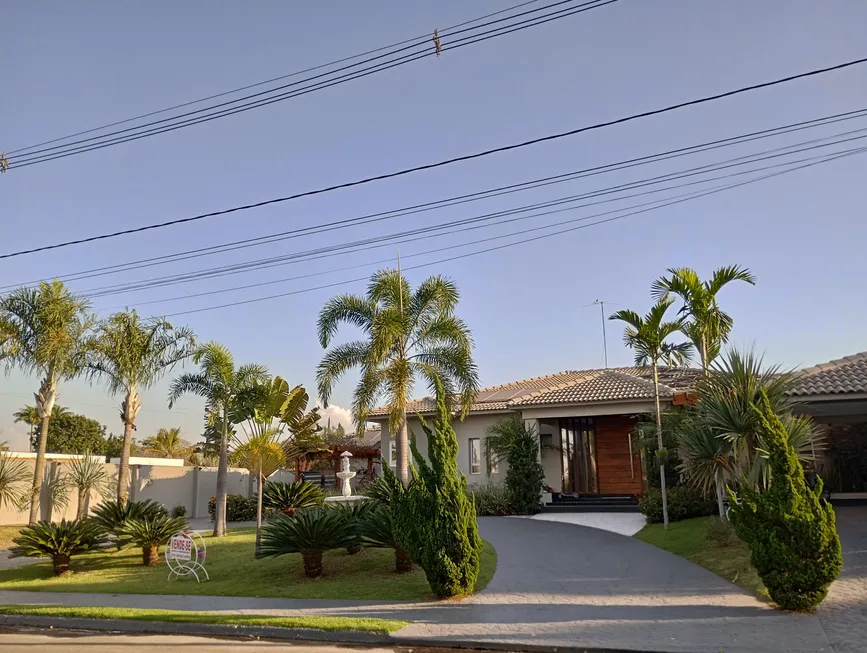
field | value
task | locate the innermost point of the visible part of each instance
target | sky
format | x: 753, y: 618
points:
x: 80, y: 65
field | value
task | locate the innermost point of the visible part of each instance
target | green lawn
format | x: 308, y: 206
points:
x: 234, y: 571
x: 6, y: 535
x: 178, y: 616
x: 688, y: 539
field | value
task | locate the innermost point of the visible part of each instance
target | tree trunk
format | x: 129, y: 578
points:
x: 82, y: 500
x: 660, y: 446
x: 402, y: 561
x: 222, y: 477
x: 61, y: 565
x: 352, y: 549
x: 45, y: 399
x: 719, y: 499
x: 312, y: 563
x: 704, y: 352
x: 259, y: 514
x: 129, y: 410
x: 403, y: 450
x: 150, y: 555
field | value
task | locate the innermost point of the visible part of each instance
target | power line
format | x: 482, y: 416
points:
x: 466, y: 157
x: 521, y: 242
x: 69, y: 149
x: 456, y: 200
x: 341, y: 248
x: 421, y: 37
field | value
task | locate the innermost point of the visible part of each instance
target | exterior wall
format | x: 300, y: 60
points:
x: 474, y: 426
x: 618, y: 466
x: 551, y: 462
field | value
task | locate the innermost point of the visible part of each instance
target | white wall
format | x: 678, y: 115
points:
x: 474, y: 426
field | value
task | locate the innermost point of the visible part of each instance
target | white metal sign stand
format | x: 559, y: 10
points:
x: 185, y: 556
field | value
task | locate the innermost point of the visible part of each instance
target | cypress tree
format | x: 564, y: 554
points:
x: 790, y: 530
x: 525, y: 476
x: 436, y: 520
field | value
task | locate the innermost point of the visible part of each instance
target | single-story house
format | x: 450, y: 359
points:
x: 586, y: 422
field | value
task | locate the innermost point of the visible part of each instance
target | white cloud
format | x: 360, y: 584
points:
x: 337, y: 415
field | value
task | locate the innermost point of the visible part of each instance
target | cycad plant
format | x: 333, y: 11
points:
x: 378, y: 528
x: 58, y: 541
x: 310, y: 532
x: 112, y: 516
x: 648, y: 337
x: 409, y: 336
x: 353, y: 513
x: 14, y: 474
x: 289, y: 497
x: 87, y: 475
x: 46, y: 331
x: 150, y: 533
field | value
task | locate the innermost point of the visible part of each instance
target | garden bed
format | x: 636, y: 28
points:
x: 234, y: 571
x: 689, y: 539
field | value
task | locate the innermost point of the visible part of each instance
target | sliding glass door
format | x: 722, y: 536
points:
x: 578, y: 454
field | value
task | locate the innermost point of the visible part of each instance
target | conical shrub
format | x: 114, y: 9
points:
x: 790, y: 530
x: 436, y: 521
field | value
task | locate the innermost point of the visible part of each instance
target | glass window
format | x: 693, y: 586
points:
x: 475, y: 456
x: 392, y: 454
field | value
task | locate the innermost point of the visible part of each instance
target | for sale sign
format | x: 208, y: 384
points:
x: 180, y: 548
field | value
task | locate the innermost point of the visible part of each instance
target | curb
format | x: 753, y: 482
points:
x: 273, y: 633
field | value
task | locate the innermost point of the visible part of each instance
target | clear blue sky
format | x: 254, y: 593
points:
x: 72, y: 66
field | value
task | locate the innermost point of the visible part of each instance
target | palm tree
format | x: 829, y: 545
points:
x: 14, y: 474
x: 131, y: 355
x: 708, y: 461
x: 262, y: 454
x: 219, y: 382
x: 87, y: 475
x: 30, y: 416
x: 167, y: 443
x: 44, y: 330
x: 57, y: 411
x: 708, y: 326
x: 408, y: 335
x: 647, y: 337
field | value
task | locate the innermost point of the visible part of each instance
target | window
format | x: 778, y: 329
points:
x: 493, y: 465
x: 392, y: 454
x: 475, y: 456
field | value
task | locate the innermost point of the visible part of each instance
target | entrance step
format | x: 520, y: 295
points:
x: 594, y: 503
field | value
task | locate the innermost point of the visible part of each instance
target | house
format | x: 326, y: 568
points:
x: 586, y: 420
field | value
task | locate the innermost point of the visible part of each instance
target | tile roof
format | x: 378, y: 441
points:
x: 570, y: 387
x: 838, y: 377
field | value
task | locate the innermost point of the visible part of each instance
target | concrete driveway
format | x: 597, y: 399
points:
x: 844, y: 612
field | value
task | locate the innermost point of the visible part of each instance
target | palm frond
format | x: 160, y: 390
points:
x: 336, y: 362
x: 351, y: 309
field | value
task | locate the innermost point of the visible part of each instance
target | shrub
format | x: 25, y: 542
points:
x: 436, y: 520
x: 238, y: 508
x: 58, y: 541
x: 353, y: 513
x: 790, y: 530
x: 385, y: 488
x: 492, y: 501
x: 179, y: 511
x: 683, y: 502
x: 378, y: 528
x: 111, y: 516
x: 150, y: 533
x: 310, y: 532
x: 721, y: 532
x: 289, y: 497
x: 513, y: 440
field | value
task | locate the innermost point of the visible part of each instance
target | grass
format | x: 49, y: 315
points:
x: 6, y: 535
x: 688, y: 539
x: 364, y: 624
x: 234, y: 571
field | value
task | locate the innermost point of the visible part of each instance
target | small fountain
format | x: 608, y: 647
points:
x: 345, y: 474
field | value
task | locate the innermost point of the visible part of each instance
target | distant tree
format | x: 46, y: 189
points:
x: 114, y: 446
x: 30, y: 416
x: 167, y: 443
x: 336, y: 436
x: 56, y: 411
x: 71, y: 433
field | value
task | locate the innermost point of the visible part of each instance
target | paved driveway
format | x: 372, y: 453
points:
x: 844, y: 612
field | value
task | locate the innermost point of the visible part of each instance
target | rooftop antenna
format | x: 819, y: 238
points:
x: 601, y: 303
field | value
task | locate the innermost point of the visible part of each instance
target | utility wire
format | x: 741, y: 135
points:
x: 425, y: 232
x: 466, y: 157
x: 467, y: 198
x: 70, y: 149
x: 422, y: 37
x: 520, y: 242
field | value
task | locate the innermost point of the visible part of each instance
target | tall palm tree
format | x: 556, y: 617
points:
x: 167, y: 443
x: 408, y: 335
x: 262, y: 454
x: 707, y: 325
x: 219, y: 382
x: 30, y: 416
x: 131, y: 355
x: 648, y: 337
x: 44, y: 330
